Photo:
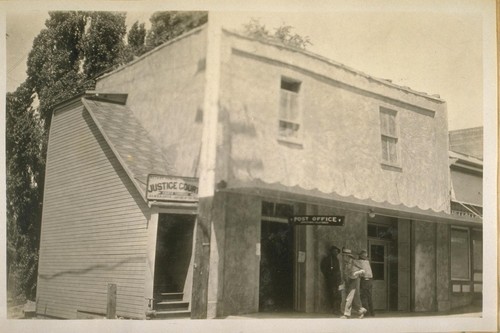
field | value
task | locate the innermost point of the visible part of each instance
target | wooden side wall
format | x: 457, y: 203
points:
x: 94, y: 225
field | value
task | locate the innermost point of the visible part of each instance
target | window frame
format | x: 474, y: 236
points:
x: 295, y: 90
x: 386, y: 136
x: 469, y: 249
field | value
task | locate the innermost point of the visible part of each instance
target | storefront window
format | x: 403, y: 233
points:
x: 279, y: 210
x: 460, y: 254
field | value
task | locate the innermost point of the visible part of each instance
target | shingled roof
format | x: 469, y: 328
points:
x: 137, y: 152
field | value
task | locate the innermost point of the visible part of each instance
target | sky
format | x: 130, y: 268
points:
x: 433, y: 49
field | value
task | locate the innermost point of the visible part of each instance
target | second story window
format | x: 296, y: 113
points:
x: 290, y: 113
x: 389, y: 136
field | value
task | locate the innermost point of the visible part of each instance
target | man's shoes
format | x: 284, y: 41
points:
x: 344, y: 317
x: 362, y: 312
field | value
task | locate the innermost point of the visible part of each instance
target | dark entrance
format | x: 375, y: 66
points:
x: 276, y: 267
x: 173, y: 252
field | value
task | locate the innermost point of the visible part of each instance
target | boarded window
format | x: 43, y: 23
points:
x: 460, y: 254
x: 389, y: 136
x: 290, y: 112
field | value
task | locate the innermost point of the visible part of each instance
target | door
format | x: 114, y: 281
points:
x: 276, y: 288
x: 173, y: 252
x: 378, y: 260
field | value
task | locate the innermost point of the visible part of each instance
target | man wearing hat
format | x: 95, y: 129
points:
x: 366, y: 282
x: 350, y: 275
x: 330, y: 267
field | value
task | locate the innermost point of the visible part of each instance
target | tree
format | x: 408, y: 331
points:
x: 283, y: 34
x: 24, y: 172
x: 103, y: 42
x: 54, y: 60
x: 168, y: 25
x: 64, y: 60
x: 136, y: 38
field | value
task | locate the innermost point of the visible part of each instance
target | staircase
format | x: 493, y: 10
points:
x: 170, y: 305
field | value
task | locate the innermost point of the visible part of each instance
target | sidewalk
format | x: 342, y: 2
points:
x: 469, y: 311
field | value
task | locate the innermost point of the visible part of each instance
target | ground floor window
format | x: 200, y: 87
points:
x: 460, y: 253
x: 466, y: 259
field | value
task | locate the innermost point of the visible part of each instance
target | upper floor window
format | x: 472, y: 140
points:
x: 389, y: 136
x: 290, y: 113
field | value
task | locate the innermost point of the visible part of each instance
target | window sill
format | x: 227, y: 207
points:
x: 391, y: 167
x: 291, y: 142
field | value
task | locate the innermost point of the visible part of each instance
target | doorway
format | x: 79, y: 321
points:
x: 276, y: 267
x: 174, y: 244
x: 377, y: 251
x: 383, y: 254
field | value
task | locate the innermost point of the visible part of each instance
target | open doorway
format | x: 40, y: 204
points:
x: 173, y: 253
x: 276, y: 267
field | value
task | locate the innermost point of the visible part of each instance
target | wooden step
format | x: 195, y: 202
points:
x: 170, y: 314
x: 171, y: 306
x: 171, y: 296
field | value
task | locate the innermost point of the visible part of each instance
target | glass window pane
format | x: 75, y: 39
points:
x: 378, y: 271
x: 288, y: 129
x: 372, y: 231
x: 284, y: 210
x: 267, y: 208
x: 385, y: 149
x: 459, y: 254
x: 377, y: 253
x: 477, y: 248
x: 289, y: 106
x: 383, y: 122
x: 393, y: 155
x: 391, y: 125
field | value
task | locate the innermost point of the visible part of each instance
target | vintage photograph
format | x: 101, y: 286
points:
x: 220, y: 167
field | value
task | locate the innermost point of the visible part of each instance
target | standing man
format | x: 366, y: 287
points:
x: 350, y: 275
x: 330, y: 267
x: 366, y: 283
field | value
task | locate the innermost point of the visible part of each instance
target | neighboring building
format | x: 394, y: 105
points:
x: 466, y: 252
x: 467, y: 141
x: 271, y: 133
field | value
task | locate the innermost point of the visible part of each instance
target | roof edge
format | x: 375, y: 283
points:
x: 114, y: 150
x: 156, y: 49
x: 337, y: 64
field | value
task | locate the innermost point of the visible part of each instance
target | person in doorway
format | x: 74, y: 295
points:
x: 330, y: 267
x: 350, y: 276
x: 366, y: 283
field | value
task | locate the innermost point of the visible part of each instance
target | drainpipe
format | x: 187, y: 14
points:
x: 206, y: 191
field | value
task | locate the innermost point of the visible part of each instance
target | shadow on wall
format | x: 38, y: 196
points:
x: 243, y: 126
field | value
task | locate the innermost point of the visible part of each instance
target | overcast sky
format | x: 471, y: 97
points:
x: 436, y: 50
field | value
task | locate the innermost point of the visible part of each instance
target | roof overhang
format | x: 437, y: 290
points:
x: 281, y: 192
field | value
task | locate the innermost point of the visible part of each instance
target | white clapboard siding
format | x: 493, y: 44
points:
x: 93, y: 226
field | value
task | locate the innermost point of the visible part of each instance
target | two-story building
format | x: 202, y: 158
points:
x: 174, y: 183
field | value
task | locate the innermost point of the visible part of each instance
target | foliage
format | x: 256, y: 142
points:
x: 168, y: 25
x: 283, y: 34
x: 24, y: 178
x: 103, y: 42
x: 136, y: 38
x: 64, y: 60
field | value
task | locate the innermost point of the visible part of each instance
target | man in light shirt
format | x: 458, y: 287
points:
x: 366, y: 282
x: 350, y: 276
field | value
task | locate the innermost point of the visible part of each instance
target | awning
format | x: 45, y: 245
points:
x: 280, y: 192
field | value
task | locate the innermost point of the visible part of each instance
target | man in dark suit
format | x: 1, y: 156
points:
x: 330, y: 267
